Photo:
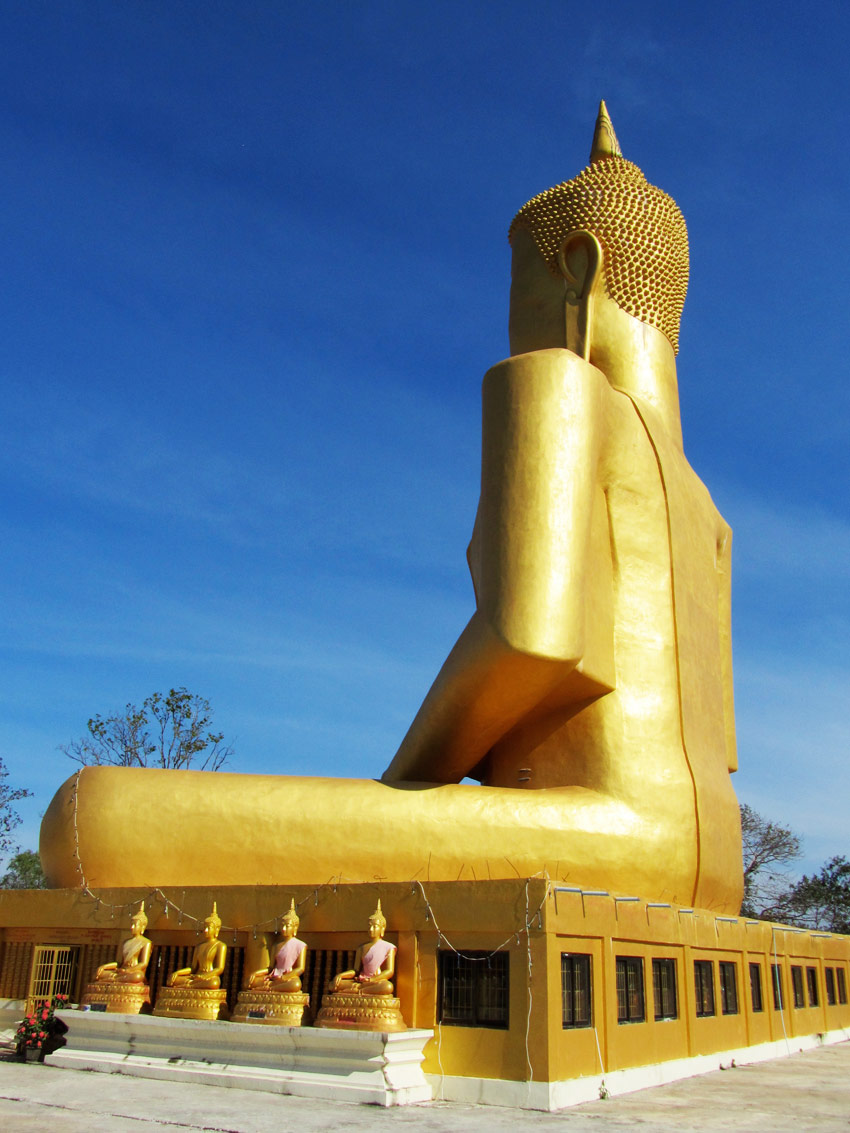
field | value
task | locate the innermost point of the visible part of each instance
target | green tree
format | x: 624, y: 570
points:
x: 768, y: 846
x: 167, y: 731
x: 822, y: 901
x: 23, y: 872
x: 9, y: 817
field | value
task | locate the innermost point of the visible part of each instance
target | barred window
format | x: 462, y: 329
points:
x: 776, y: 979
x: 704, y: 987
x: 755, y: 987
x: 830, y: 986
x: 842, y: 985
x: 576, y: 996
x: 812, y: 982
x: 664, y: 989
x: 728, y: 987
x: 797, y: 985
x: 473, y: 989
x: 630, y: 996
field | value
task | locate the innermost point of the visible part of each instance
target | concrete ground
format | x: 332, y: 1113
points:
x: 802, y: 1092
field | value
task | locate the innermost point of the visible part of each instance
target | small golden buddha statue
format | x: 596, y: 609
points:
x: 120, y: 983
x: 133, y: 955
x: 273, y: 994
x: 374, y: 963
x: 361, y: 998
x: 208, y: 959
x: 195, y: 992
x: 289, y: 962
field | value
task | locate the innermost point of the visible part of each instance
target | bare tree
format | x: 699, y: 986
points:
x: 9, y: 817
x: 167, y: 731
x: 768, y: 846
x: 822, y: 901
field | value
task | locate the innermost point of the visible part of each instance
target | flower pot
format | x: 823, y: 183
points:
x: 33, y: 1054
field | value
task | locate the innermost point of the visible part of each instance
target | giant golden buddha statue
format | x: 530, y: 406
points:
x: 591, y: 691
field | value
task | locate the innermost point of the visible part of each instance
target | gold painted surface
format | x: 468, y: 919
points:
x: 360, y: 1012
x: 124, y: 999
x: 132, y: 959
x: 281, y: 1008
x: 590, y: 692
x: 640, y: 228
x: 191, y: 1003
x: 208, y: 961
x: 275, y: 978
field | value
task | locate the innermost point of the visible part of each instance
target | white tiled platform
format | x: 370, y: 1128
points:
x: 358, y: 1066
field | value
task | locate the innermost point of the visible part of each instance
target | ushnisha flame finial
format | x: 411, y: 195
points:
x: 378, y: 917
x: 605, y: 142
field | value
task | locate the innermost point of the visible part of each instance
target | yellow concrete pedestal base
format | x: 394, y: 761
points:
x: 125, y: 999
x: 361, y: 1012
x: 191, y: 1003
x: 259, y: 1005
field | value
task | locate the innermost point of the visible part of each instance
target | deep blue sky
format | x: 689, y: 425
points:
x: 256, y: 265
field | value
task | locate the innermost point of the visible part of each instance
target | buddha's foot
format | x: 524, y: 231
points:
x: 122, y: 998
x: 260, y: 1005
x: 360, y: 1012
x: 191, y: 1003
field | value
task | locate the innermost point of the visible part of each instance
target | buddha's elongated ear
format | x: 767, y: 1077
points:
x: 580, y: 263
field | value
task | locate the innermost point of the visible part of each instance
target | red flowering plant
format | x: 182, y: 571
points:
x: 37, y: 1029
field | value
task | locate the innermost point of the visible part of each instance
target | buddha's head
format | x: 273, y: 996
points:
x: 212, y: 924
x: 600, y: 267
x: 139, y: 922
x: 290, y: 922
x: 377, y: 923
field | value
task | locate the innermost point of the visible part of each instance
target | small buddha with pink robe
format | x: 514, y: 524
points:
x: 374, y: 963
x: 289, y: 962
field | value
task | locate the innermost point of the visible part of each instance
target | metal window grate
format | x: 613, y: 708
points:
x: 776, y: 980
x: 576, y: 995
x: 728, y: 987
x: 473, y: 989
x: 54, y: 967
x: 755, y: 987
x: 15, y: 968
x: 322, y: 965
x: 630, y: 996
x: 842, y: 985
x: 704, y: 987
x: 812, y: 983
x: 664, y: 988
x: 830, y: 986
x: 797, y: 985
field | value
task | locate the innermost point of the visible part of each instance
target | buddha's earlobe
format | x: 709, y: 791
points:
x: 580, y: 263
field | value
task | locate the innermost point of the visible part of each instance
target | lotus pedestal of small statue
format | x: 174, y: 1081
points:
x: 273, y: 994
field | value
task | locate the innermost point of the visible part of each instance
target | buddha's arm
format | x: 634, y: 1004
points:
x: 218, y: 959
x: 349, y: 973
x: 387, y: 969
x: 110, y: 967
x: 530, y: 562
